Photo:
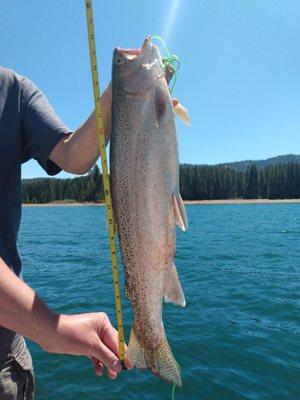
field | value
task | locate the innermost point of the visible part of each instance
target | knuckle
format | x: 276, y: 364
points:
x: 104, y: 317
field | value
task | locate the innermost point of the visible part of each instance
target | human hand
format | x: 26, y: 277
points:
x: 175, y: 102
x: 91, y: 335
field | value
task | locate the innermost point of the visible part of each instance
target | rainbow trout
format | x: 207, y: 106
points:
x: 144, y: 170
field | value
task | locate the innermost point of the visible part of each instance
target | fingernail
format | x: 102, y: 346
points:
x: 116, y: 366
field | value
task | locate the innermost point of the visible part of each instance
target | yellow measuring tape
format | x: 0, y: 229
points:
x: 106, y: 184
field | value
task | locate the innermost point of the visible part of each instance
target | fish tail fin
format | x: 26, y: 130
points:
x: 159, y: 359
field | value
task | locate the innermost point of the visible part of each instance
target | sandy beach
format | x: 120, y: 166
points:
x: 190, y: 202
x: 243, y: 201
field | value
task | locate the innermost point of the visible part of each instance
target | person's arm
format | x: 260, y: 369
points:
x: 91, y: 334
x: 79, y: 151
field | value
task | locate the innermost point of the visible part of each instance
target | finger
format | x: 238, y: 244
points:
x: 98, y: 366
x: 106, y: 357
x: 175, y: 102
x: 111, y: 374
x: 110, y: 337
x: 128, y: 363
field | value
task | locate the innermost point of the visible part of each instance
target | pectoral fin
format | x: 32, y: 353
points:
x: 180, y: 213
x: 173, y: 292
x: 160, y: 104
x: 182, y: 113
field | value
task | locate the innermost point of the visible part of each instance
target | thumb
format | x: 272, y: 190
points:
x: 175, y: 102
x: 106, y: 357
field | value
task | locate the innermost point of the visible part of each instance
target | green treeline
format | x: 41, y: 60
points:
x: 88, y: 188
x: 197, y: 182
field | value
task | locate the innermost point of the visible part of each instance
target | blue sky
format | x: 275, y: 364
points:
x: 239, y: 75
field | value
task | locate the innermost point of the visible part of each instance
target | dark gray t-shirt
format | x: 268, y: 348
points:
x: 29, y: 128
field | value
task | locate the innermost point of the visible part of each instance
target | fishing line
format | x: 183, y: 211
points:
x: 174, y: 386
x: 171, y: 59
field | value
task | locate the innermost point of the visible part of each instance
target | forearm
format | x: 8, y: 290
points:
x: 22, y: 311
x: 89, y: 334
x: 80, y: 150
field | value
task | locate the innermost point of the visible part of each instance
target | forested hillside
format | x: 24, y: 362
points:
x: 283, y: 159
x: 197, y: 182
x: 220, y: 182
x: 86, y: 188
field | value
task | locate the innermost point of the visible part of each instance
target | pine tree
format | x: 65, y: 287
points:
x: 251, y: 183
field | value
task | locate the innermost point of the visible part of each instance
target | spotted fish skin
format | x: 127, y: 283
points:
x: 144, y: 170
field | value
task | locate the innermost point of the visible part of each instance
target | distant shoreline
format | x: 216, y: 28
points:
x: 190, y: 202
x: 244, y: 201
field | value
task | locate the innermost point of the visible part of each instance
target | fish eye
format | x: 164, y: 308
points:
x: 120, y: 60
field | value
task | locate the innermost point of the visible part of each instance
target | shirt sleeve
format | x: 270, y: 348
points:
x: 41, y: 127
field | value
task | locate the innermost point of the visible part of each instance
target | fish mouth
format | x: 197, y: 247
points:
x: 143, y: 66
x: 130, y: 54
x: 145, y: 52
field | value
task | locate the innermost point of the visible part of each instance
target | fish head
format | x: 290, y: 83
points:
x: 135, y: 70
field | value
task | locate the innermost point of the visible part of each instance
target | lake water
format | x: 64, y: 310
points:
x: 237, y: 338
